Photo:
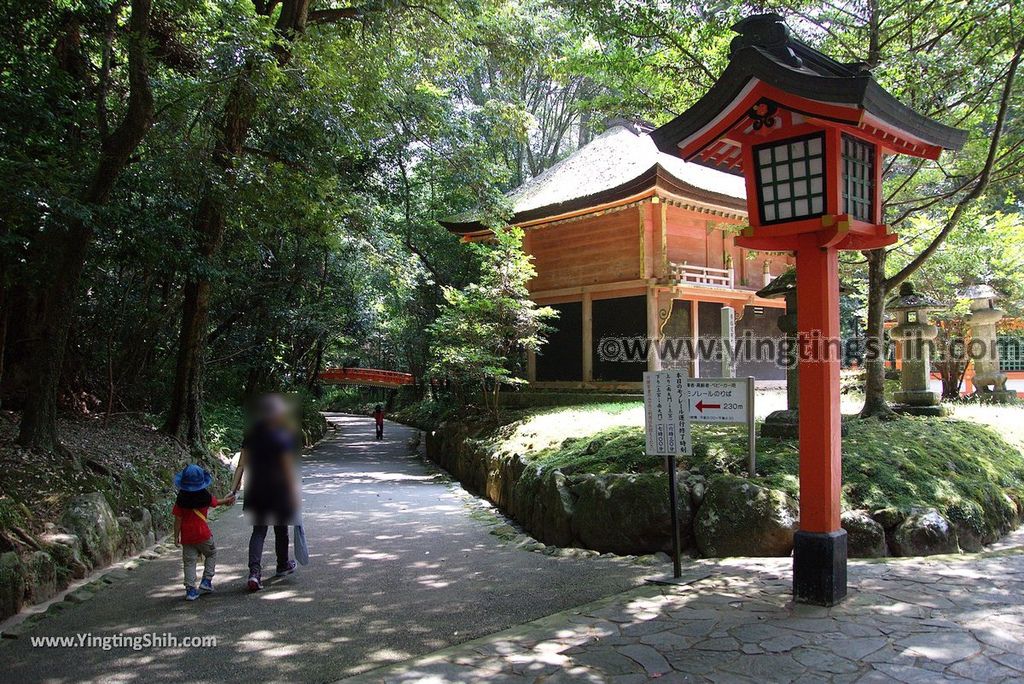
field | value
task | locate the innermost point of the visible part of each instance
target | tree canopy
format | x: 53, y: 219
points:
x: 205, y: 200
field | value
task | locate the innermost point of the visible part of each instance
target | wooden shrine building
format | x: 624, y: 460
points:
x: 632, y: 243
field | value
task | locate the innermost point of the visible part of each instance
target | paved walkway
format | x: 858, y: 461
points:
x: 402, y: 563
x: 938, y: 620
x: 410, y: 583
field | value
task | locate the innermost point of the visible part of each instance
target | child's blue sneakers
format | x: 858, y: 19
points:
x: 191, y: 593
x: 206, y: 586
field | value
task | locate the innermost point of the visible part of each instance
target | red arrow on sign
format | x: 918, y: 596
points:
x: 701, y: 406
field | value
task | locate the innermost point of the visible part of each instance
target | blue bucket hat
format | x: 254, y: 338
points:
x: 192, y: 479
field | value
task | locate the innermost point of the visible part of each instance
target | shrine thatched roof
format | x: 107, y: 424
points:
x: 620, y: 163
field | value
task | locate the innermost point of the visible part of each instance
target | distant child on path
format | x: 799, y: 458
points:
x: 378, y: 417
x: 191, y: 531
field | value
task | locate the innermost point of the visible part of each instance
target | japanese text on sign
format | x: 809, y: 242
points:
x: 666, y: 402
x: 719, y: 400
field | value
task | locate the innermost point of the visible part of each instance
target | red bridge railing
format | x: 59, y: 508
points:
x: 371, y: 377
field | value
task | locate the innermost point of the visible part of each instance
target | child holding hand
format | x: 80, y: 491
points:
x: 191, y: 530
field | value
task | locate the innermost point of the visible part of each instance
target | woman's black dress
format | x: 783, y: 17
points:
x: 267, y: 495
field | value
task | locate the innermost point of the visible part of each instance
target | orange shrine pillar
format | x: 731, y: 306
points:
x: 819, y: 547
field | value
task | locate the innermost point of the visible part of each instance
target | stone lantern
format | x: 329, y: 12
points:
x: 785, y: 423
x: 989, y: 382
x: 916, y: 335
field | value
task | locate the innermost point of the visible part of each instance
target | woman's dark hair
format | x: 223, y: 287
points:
x: 200, y: 499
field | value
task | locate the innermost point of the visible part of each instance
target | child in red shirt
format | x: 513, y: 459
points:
x: 191, y: 531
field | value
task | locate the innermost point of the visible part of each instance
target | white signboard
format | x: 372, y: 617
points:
x: 720, y: 400
x: 666, y: 418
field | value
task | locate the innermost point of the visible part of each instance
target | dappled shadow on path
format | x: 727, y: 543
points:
x: 399, y: 566
x: 916, y: 620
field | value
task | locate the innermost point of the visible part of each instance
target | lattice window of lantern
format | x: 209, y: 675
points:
x: 791, y: 178
x: 858, y: 178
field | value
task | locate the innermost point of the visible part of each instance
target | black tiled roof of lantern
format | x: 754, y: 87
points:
x: 909, y: 300
x: 766, y: 52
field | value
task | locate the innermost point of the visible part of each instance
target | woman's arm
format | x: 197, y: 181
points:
x: 177, y: 531
x: 243, y: 459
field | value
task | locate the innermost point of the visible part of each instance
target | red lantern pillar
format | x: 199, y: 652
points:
x: 819, y: 549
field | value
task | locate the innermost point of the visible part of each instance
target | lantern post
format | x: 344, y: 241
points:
x: 808, y: 134
x: 916, y: 335
x: 988, y: 380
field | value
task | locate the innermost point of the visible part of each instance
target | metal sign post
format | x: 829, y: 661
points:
x: 667, y: 423
x: 751, y: 431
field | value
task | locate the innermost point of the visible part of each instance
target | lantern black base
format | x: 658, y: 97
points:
x: 819, y: 567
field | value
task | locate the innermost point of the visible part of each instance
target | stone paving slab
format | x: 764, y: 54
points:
x: 942, y: 619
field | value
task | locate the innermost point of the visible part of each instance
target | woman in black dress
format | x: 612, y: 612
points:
x: 271, y: 487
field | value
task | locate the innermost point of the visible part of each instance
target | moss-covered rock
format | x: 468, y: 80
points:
x: 553, y: 510
x: 131, y: 539
x: 314, y: 424
x: 12, y: 584
x: 965, y: 471
x: 66, y: 549
x: 43, y: 577
x: 889, y: 518
x: 865, y: 537
x: 925, y: 533
x: 627, y: 514
x: 740, y: 518
x: 144, y: 519
x: 90, y: 518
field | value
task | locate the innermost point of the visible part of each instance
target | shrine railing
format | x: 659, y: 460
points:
x: 703, y: 276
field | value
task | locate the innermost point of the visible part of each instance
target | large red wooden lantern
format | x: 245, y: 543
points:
x: 809, y: 135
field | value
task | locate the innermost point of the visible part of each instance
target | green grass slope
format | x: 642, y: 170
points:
x: 965, y: 470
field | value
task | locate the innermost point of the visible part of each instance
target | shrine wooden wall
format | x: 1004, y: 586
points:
x: 625, y: 245
x: 695, y: 239
x: 598, y: 249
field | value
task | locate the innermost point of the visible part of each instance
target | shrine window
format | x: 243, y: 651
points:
x: 858, y: 179
x: 791, y: 178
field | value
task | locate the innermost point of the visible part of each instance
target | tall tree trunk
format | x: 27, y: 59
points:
x: 4, y: 317
x: 69, y: 249
x: 185, y: 415
x: 874, y: 363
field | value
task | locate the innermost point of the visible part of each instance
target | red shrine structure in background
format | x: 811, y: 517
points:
x: 808, y: 134
x: 366, y: 377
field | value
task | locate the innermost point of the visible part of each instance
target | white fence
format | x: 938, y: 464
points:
x: 704, y: 276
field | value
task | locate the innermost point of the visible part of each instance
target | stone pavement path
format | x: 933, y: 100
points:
x: 402, y: 563
x: 911, y: 620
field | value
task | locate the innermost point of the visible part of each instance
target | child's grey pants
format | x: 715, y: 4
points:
x: 190, y: 555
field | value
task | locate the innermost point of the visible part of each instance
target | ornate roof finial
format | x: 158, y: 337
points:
x: 767, y: 32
